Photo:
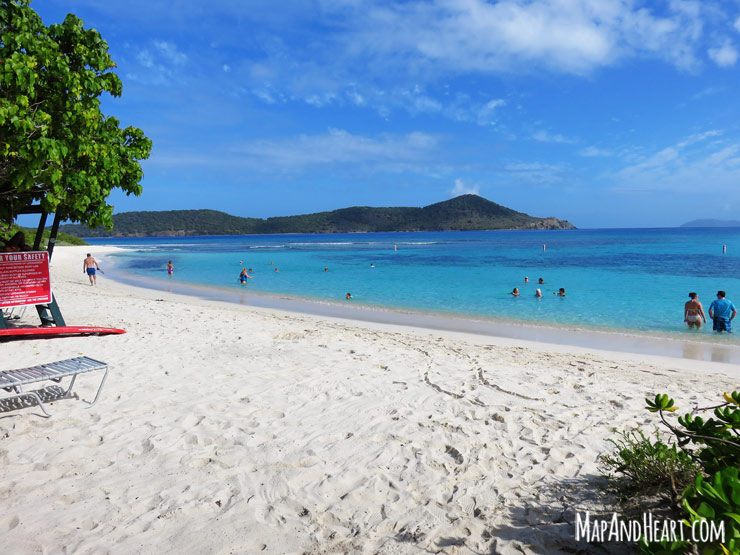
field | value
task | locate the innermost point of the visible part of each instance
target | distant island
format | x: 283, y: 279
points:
x: 463, y: 213
x: 712, y: 223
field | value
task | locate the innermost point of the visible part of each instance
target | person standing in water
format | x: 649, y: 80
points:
x: 693, y: 312
x: 170, y: 268
x: 244, y: 276
x: 722, y: 312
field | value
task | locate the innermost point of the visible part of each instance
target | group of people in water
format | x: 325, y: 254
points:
x: 244, y: 275
x: 538, y: 292
x: 722, y: 311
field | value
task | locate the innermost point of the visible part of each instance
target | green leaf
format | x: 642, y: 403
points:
x: 705, y: 510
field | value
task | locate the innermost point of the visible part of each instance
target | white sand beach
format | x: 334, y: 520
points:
x: 231, y: 429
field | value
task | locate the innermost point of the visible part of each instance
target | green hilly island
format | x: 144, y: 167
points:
x: 463, y: 213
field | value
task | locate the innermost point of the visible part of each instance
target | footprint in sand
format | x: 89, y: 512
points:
x: 455, y: 454
x: 467, y: 504
x: 12, y: 523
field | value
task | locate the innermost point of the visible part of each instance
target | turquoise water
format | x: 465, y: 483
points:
x: 635, y: 279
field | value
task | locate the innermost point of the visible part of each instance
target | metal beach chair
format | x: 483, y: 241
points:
x: 12, y: 381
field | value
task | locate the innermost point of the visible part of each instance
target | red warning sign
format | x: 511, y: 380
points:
x: 24, y: 278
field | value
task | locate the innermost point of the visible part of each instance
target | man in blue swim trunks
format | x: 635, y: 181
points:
x: 722, y: 311
x: 89, y: 266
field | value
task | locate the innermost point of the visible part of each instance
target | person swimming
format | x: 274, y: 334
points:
x: 515, y: 292
x: 526, y: 279
x: 541, y: 281
x: 349, y: 296
x: 538, y: 293
x: 560, y: 292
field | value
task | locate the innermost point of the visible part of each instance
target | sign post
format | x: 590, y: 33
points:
x: 15, y: 291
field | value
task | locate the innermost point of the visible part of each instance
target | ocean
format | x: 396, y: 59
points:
x: 615, y: 279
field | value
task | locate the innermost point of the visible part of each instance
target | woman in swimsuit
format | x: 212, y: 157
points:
x: 244, y: 276
x: 170, y: 267
x: 693, y: 312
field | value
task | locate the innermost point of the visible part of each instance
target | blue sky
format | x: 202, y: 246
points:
x: 607, y: 113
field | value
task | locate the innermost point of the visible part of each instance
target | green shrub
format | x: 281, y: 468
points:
x: 715, y: 496
x: 30, y: 234
x: 643, y: 466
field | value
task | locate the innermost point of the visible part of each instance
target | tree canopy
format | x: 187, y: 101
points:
x: 56, y: 146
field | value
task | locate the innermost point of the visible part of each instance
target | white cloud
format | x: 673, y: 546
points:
x: 698, y: 137
x: 415, y: 101
x: 226, y: 68
x: 726, y: 156
x: 370, y: 45
x: 421, y: 103
x: 691, y: 165
x: 264, y: 95
x: 724, y: 55
x: 356, y: 98
x: 565, y: 36
x: 335, y: 152
x: 145, y: 58
x: 320, y: 100
x: 737, y: 24
x: 593, y: 152
x: 170, y: 53
x: 534, y: 172
x: 160, y: 62
x: 384, y: 153
x: 461, y: 189
x: 545, y: 137
x: 707, y: 91
x: 486, y: 112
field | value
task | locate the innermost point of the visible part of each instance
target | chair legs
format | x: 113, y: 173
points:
x: 18, y: 392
